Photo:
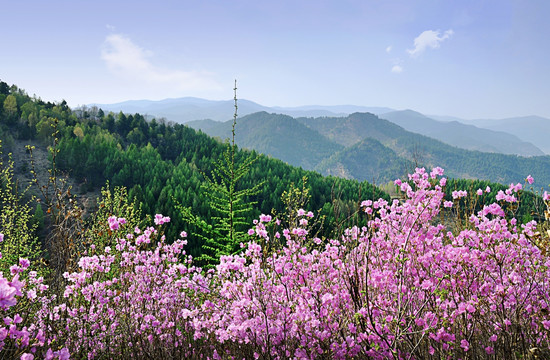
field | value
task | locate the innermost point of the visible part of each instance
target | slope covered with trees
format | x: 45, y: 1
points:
x: 279, y: 136
x: 162, y: 164
x: 367, y: 159
x: 334, y: 146
x: 443, y: 270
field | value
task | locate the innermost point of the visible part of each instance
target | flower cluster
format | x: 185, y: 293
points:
x: 114, y: 222
x: 146, y: 306
x: 20, y: 335
x: 402, y: 287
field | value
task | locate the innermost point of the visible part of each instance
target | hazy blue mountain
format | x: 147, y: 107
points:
x: 463, y: 135
x: 529, y: 134
x: 279, y: 136
x: 364, y: 147
x: 534, y: 129
x: 447, y: 118
x: 187, y: 109
x: 329, y: 110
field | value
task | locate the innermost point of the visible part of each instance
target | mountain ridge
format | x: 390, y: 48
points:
x: 279, y: 136
x: 185, y: 109
x: 466, y: 136
x: 504, y: 138
x: 364, y: 137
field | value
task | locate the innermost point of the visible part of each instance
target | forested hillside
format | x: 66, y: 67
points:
x: 429, y: 152
x: 107, y: 283
x: 279, y: 136
x: 161, y: 163
x: 367, y: 159
x: 336, y: 144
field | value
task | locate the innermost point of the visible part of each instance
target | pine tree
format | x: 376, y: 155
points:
x: 227, y: 202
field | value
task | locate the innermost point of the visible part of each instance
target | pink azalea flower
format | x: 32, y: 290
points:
x: 437, y: 171
x: 459, y: 194
x: 366, y: 203
x: 265, y: 218
x: 63, y: 354
x: 159, y: 219
x: 113, y: 223
x: 7, y: 293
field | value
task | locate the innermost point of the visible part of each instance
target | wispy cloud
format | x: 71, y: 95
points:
x: 126, y: 59
x: 397, y: 69
x: 397, y: 65
x: 428, y: 39
x: 388, y: 49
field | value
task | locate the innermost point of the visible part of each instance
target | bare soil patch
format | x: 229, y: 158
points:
x: 42, y: 161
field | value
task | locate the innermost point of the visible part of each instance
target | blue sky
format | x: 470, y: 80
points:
x: 468, y: 58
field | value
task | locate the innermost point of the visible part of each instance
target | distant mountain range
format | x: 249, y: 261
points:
x: 524, y: 136
x: 187, y: 109
x: 464, y: 135
x: 364, y: 146
x: 534, y: 129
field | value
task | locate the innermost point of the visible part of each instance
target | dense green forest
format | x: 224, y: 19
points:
x: 162, y: 164
x: 280, y: 136
x: 363, y: 146
x: 428, y: 152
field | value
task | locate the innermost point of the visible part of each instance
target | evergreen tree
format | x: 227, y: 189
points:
x: 227, y: 201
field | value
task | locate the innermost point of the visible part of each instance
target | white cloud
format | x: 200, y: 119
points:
x: 397, y: 69
x: 428, y: 39
x: 126, y: 59
x: 388, y: 49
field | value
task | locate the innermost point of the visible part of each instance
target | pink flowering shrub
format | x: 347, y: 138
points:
x: 142, y: 308
x: 20, y: 299
x: 402, y: 287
